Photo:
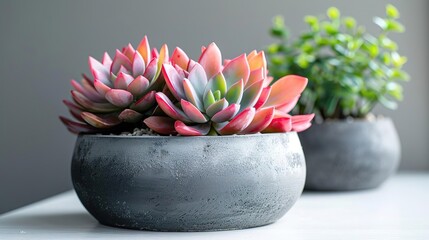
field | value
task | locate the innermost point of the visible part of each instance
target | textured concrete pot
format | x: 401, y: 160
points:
x: 188, y: 183
x: 342, y: 155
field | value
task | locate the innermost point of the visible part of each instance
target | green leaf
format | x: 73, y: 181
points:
x: 388, y: 103
x: 307, y: 47
x: 278, y: 32
x: 348, y: 103
x: 394, y: 90
x: 329, y: 28
x: 334, y: 62
x: 354, y: 44
x: 304, y: 59
x: 311, y: 20
x: 278, y: 29
x: 373, y: 50
x: 273, y: 48
x: 366, y: 93
x: 217, y: 95
x: 278, y: 21
x: 398, y: 60
x: 395, y: 26
x: 349, y: 69
x: 386, y: 58
x: 321, y: 41
x: 350, y: 22
x: 392, y: 11
x: 399, y: 74
x: 331, y: 105
x: 366, y: 107
x: 389, y: 44
x: 209, y: 99
x: 333, y: 13
x: 382, y: 23
x: 341, y: 50
x: 277, y: 59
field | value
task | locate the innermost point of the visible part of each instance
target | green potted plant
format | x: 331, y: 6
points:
x: 350, y: 71
x: 192, y: 157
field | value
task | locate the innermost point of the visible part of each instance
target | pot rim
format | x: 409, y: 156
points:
x: 184, y: 137
x: 353, y: 120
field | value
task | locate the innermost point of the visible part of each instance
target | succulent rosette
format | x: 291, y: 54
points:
x: 209, y: 98
x: 122, y: 91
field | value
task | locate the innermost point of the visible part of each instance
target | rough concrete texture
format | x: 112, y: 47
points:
x: 188, y: 183
x: 342, y: 155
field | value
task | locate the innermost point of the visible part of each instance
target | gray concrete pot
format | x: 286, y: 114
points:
x: 343, y: 155
x: 188, y: 183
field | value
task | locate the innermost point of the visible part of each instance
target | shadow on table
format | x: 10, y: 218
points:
x: 47, y: 222
x: 79, y: 223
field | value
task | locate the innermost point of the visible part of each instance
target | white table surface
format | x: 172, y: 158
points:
x: 397, y: 210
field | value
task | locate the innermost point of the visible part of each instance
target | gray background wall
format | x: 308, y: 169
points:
x: 44, y: 44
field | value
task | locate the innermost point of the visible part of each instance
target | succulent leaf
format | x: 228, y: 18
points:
x: 257, y: 62
x: 138, y: 86
x: 263, y: 97
x: 211, y: 60
x: 139, y: 66
x: 235, y: 92
x: 294, y: 85
x: 151, y: 70
x: 74, y: 110
x: 288, y: 106
x: 301, y: 122
x: 118, y: 97
x: 192, y: 95
x: 101, y: 88
x: 120, y: 60
x: 162, y: 58
x: 129, y: 51
x: 217, y: 83
x: 161, y: 125
x: 262, y: 119
x: 236, y: 69
x: 123, y: 89
x: 106, y: 61
x: 180, y: 58
x: 101, y: 121
x: 198, y: 78
x: 130, y: 116
x: 238, y: 123
x: 173, y: 81
x: 169, y: 108
x: 226, y: 114
x: 283, y: 124
x: 90, y: 91
x: 195, y: 130
x: 144, y: 103
x: 122, y: 81
x: 92, y: 106
x: 251, y: 54
x: 179, y: 95
x: 144, y: 49
x: 217, y: 107
x: 251, y: 95
x: 192, y: 112
x: 209, y: 99
x: 255, y: 76
x: 76, y: 127
x: 98, y: 70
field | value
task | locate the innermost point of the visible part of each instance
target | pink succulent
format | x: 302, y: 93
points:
x: 122, y: 90
x: 208, y: 98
